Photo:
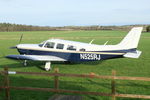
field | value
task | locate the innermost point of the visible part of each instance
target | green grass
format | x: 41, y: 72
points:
x: 124, y: 67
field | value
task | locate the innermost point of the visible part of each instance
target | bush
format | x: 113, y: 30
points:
x: 148, y: 29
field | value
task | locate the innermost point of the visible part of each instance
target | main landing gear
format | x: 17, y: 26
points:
x: 48, y: 66
x: 25, y: 63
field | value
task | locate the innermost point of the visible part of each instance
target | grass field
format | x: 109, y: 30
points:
x: 124, y: 67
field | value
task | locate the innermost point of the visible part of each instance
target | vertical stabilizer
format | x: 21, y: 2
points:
x: 131, y: 40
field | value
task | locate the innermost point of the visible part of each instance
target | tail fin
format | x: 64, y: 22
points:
x: 131, y: 40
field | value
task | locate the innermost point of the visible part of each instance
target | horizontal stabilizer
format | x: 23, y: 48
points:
x: 135, y: 54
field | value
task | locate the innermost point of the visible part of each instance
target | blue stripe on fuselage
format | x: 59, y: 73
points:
x: 73, y: 57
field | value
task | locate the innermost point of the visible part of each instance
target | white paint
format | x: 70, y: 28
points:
x: 48, y: 66
x: 129, y: 42
x: 135, y: 54
x: 11, y: 72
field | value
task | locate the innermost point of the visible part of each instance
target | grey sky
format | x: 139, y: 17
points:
x: 75, y: 12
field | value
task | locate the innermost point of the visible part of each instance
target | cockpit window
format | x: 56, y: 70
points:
x: 82, y: 49
x: 71, y: 47
x: 49, y: 45
x: 60, y: 46
x: 42, y: 43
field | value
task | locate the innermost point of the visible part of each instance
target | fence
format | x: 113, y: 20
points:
x: 56, y: 89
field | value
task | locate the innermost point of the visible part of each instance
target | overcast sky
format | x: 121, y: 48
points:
x: 75, y: 12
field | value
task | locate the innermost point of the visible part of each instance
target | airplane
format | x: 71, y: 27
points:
x: 72, y: 51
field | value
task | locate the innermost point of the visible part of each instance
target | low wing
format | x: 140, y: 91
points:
x: 35, y: 57
x: 135, y: 54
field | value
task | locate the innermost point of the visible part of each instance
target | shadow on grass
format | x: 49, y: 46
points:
x: 40, y: 83
x: 99, y: 86
x: 39, y: 64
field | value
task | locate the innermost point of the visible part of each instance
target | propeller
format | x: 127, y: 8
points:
x: 15, y: 47
x: 20, y: 38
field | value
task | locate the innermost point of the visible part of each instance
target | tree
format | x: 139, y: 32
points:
x: 148, y: 28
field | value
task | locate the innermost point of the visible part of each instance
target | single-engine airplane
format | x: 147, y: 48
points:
x: 71, y: 51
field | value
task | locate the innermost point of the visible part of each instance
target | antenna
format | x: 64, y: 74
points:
x: 105, y: 42
x: 91, y: 41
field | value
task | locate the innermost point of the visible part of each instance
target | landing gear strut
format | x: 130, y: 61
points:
x: 48, y: 66
x: 25, y: 63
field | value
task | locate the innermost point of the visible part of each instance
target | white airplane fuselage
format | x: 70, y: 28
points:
x: 91, y: 52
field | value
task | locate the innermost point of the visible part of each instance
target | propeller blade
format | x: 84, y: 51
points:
x: 21, y: 38
x: 14, y: 47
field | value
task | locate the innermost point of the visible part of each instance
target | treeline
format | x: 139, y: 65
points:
x: 19, y: 27
x: 148, y: 28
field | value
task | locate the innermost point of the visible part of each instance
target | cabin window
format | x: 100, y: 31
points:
x: 70, y: 47
x: 82, y: 49
x: 60, y: 46
x: 49, y: 45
